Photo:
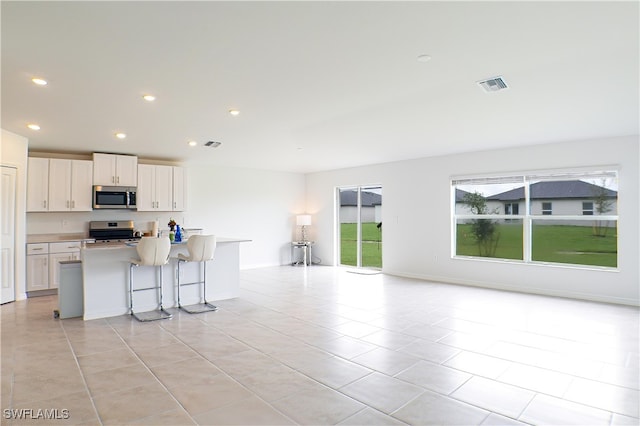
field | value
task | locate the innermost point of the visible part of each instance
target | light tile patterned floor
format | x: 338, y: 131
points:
x: 320, y: 345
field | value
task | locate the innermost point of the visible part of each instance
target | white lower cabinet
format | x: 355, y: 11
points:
x: 37, y: 266
x: 43, y: 263
x: 59, y: 252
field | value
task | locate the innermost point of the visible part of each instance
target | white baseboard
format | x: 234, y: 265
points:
x: 529, y: 290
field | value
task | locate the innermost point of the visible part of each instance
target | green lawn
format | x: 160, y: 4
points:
x: 551, y: 243
x: 509, y: 242
x: 371, y: 245
x: 574, y: 244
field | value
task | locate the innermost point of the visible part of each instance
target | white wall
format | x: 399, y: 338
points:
x: 253, y: 204
x: 417, y: 230
x: 13, y: 152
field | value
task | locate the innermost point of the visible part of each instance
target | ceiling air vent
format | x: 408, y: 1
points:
x: 213, y: 144
x: 493, y: 84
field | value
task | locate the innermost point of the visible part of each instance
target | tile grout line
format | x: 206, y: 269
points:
x: 222, y: 371
x: 86, y: 386
x: 151, y: 372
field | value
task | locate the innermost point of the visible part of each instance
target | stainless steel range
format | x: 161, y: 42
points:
x: 112, y: 231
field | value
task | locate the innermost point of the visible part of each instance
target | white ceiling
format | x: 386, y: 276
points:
x: 320, y: 85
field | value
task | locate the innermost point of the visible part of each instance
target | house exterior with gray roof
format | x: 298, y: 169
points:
x: 371, y: 206
x: 550, y: 198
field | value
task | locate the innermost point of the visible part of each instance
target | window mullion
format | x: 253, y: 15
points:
x: 359, y: 230
x: 526, y: 225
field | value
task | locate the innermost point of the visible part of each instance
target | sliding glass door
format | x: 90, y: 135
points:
x: 360, y: 226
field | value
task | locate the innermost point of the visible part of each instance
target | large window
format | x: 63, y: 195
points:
x: 568, y: 218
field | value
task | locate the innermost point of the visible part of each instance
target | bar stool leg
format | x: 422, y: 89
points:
x: 178, y: 289
x: 131, y: 288
x: 199, y: 307
x: 158, y: 314
x: 204, y: 288
x: 162, y: 289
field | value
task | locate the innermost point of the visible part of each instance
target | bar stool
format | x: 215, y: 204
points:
x: 153, y: 252
x: 201, y: 249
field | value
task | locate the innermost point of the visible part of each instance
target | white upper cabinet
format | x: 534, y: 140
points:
x: 115, y: 170
x: 70, y: 185
x: 81, y: 186
x: 59, y: 185
x: 179, y: 189
x: 37, y: 184
x: 146, y: 192
x: 155, y: 188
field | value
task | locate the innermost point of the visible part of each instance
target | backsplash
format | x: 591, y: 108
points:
x: 75, y: 222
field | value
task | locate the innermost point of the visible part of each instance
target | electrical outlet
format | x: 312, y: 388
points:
x: 65, y: 223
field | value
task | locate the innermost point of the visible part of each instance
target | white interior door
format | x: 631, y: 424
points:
x: 8, y: 229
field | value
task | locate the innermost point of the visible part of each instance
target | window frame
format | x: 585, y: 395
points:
x: 528, y: 218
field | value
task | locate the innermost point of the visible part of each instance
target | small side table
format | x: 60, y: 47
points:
x: 306, y: 252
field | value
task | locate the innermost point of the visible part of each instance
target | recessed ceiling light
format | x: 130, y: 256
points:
x: 33, y: 126
x: 149, y: 98
x: 424, y: 58
x: 234, y: 112
x: 39, y: 81
x: 121, y: 135
x: 193, y: 143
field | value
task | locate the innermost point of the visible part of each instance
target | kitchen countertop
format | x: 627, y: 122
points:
x: 56, y: 238
x: 120, y: 245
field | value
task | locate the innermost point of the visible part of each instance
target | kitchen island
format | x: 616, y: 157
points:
x: 105, y: 272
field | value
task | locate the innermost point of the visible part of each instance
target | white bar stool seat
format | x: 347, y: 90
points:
x: 153, y: 252
x: 201, y: 249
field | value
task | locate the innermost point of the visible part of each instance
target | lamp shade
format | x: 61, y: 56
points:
x: 303, y: 220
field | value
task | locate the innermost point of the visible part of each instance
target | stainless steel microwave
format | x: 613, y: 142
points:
x: 114, y: 197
